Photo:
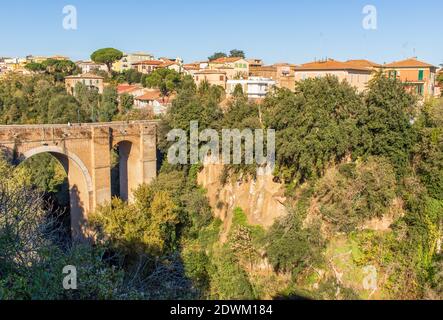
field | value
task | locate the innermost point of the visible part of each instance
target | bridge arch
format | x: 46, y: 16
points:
x: 80, y: 185
x: 129, y: 167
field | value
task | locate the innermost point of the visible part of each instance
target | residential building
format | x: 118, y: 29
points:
x: 89, y: 66
x: 356, y: 75
x: 254, y: 87
x: 58, y: 57
x: 128, y: 60
x: 213, y: 77
x: 239, y: 66
x: 282, y: 73
x: 203, y: 64
x: 134, y: 90
x: 419, y: 77
x: 90, y: 80
x: 13, y: 64
x: 365, y: 64
x: 3, y: 65
x: 255, y: 63
x: 191, y: 68
x: 147, y: 66
x: 35, y: 59
x: 153, y: 100
x: 172, y: 65
x: 178, y: 60
x: 438, y: 91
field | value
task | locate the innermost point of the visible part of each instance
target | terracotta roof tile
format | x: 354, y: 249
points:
x: 409, y: 63
x: 149, y: 62
x: 330, y: 65
x: 226, y: 60
x: 191, y: 67
x: 150, y: 96
x: 363, y: 63
x: 126, y: 88
x: 167, y: 64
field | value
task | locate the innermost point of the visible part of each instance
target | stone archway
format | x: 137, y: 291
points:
x: 84, y: 151
x: 80, y: 186
x: 129, y: 168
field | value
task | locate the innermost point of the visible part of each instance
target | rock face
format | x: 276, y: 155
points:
x: 261, y: 199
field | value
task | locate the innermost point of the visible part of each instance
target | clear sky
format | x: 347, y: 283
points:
x: 295, y: 31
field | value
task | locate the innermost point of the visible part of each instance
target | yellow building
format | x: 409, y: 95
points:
x: 213, y: 77
x: 90, y: 80
x: 235, y: 68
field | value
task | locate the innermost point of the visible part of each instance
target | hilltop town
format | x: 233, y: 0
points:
x: 349, y: 205
x: 229, y: 72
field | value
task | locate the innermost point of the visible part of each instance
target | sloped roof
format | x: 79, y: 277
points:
x: 126, y: 88
x: 168, y: 64
x: 363, y: 63
x: 150, y: 96
x: 191, y: 66
x: 226, y: 60
x: 149, y: 62
x: 409, y: 63
x: 330, y: 64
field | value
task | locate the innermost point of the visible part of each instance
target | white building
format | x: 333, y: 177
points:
x: 89, y: 66
x: 254, y: 87
x: 130, y: 59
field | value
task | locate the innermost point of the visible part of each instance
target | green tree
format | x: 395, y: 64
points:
x: 126, y: 102
x: 428, y: 152
x: 291, y: 247
x: 107, y: 56
x: 237, y: 53
x: 35, y: 67
x: 63, y: 109
x: 389, y: 122
x: 109, y: 104
x: 217, y: 55
x: 59, y: 68
x: 164, y: 79
x: 88, y: 99
x: 319, y: 124
x: 356, y: 193
x: 238, y: 91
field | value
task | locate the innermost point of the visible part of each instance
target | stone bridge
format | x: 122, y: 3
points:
x: 84, y: 150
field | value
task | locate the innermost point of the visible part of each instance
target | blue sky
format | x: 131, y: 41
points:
x: 295, y: 31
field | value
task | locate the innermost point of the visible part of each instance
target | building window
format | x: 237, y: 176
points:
x: 222, y: 78
x: 393, y: 74
x: 421, y: 74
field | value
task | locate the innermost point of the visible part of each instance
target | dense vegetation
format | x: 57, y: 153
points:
x: 348, y: 161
